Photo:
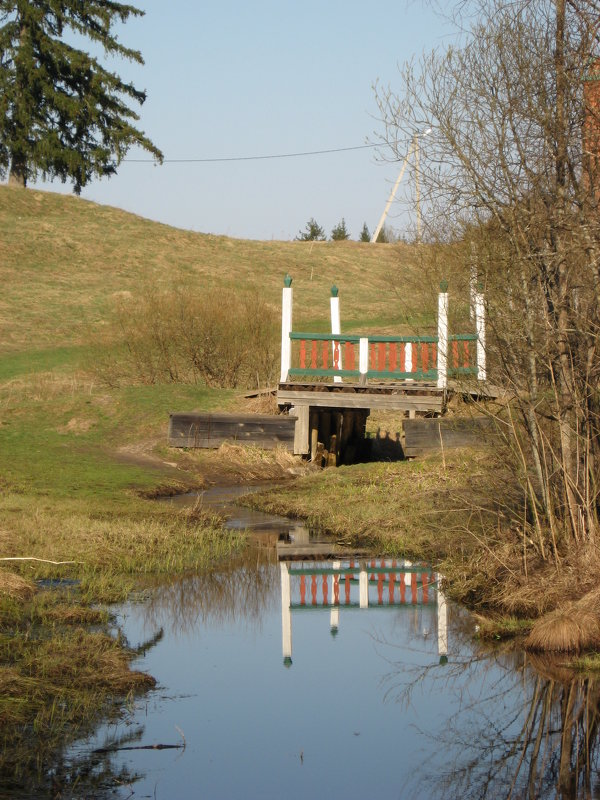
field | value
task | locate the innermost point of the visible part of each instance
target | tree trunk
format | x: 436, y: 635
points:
x: 18, y: 172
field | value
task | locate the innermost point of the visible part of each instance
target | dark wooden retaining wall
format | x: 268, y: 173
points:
x: 211, y: 430
x: 428, y: 435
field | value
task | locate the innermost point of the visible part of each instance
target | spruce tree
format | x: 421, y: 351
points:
x: 365, y: 236
x: 339, y: 233
x: 313, y: 232
x: 62, y: 114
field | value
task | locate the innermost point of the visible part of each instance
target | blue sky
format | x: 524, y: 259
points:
x: 231, y: 78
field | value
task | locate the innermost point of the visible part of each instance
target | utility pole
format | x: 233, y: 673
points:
x: 392, y: 195
x: 414, y: 148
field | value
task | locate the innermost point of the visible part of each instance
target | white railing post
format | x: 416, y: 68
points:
x: 408, y: 360
x: 286, y: 328
x: 363, y: 359
x: 442, y: 349
x: 286, y: 614
x: 480, y: 330
x: 336, y: 329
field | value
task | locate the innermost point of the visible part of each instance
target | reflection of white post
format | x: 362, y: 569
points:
x: 286, y: 614
x: 334, y: 620
x: 363, y: 359
x: 480, y: 329
x: 442, y: 614
x: 286, y: 328
x: 336, y: 329
x: 363, y: 586
x: 442, y: 354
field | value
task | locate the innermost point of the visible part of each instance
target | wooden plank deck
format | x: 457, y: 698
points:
x: 397, y: 396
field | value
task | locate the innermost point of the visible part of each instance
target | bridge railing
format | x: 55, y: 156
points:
x: 342, y: 355
x: 419, y: 358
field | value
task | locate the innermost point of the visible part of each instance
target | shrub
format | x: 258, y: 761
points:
x: 186, y: 337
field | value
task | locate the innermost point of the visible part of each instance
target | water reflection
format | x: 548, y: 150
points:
x: 521, y: 726
x: 386, y: 681
x: 498, y: 724
x: 357, y: 583
x: 243, y: 590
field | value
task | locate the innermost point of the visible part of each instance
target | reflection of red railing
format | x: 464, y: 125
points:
x: 388, y: 583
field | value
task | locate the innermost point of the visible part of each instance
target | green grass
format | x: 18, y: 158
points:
x: 587, y: 663
x: 402, y: 508
x: 60, y: 433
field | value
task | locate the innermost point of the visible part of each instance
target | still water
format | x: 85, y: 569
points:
x: 344, y: 677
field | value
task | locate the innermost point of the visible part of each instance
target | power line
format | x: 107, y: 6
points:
x: 249, y: 158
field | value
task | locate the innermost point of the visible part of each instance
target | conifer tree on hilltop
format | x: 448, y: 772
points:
x: 313, y: 232
x: 62, y: 114
x: 340, y: 232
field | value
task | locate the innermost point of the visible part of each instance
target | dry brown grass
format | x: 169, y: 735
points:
x: 572, y: 627
x: 258, y: 464
x: 66, y: 259
x: 96, y: 660
x: 265, y: 403
x: 15, y: 587
x: 241, y: 463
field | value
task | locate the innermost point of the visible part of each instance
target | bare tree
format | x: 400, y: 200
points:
x: 510, y: 169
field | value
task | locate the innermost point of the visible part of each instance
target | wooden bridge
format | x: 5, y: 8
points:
x: 331, y: 381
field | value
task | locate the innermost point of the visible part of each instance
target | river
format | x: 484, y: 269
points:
x: 343, y: 677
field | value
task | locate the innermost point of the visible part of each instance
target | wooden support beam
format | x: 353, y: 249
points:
x: 301, y: 430
x: 403, y: 401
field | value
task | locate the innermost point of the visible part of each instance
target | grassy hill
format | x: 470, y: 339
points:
x: 64, y: 262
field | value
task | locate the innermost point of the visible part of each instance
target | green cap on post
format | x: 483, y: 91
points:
x: 287, y: 280
x: 334, y: 290
x: 444, y: 286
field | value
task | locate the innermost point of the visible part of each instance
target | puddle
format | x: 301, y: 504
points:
x: 57, y: 583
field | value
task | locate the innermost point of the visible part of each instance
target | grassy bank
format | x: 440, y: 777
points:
x: 80, y: 465
x: 67, y: 262
x: 455, y: 511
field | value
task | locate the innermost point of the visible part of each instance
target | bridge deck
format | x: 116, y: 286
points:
x: 397, y: 395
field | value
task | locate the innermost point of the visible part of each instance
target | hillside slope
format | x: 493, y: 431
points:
x: 64, y: 262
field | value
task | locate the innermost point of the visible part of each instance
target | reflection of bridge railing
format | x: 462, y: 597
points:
x: 378, y: 583
x: 375, y: 582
